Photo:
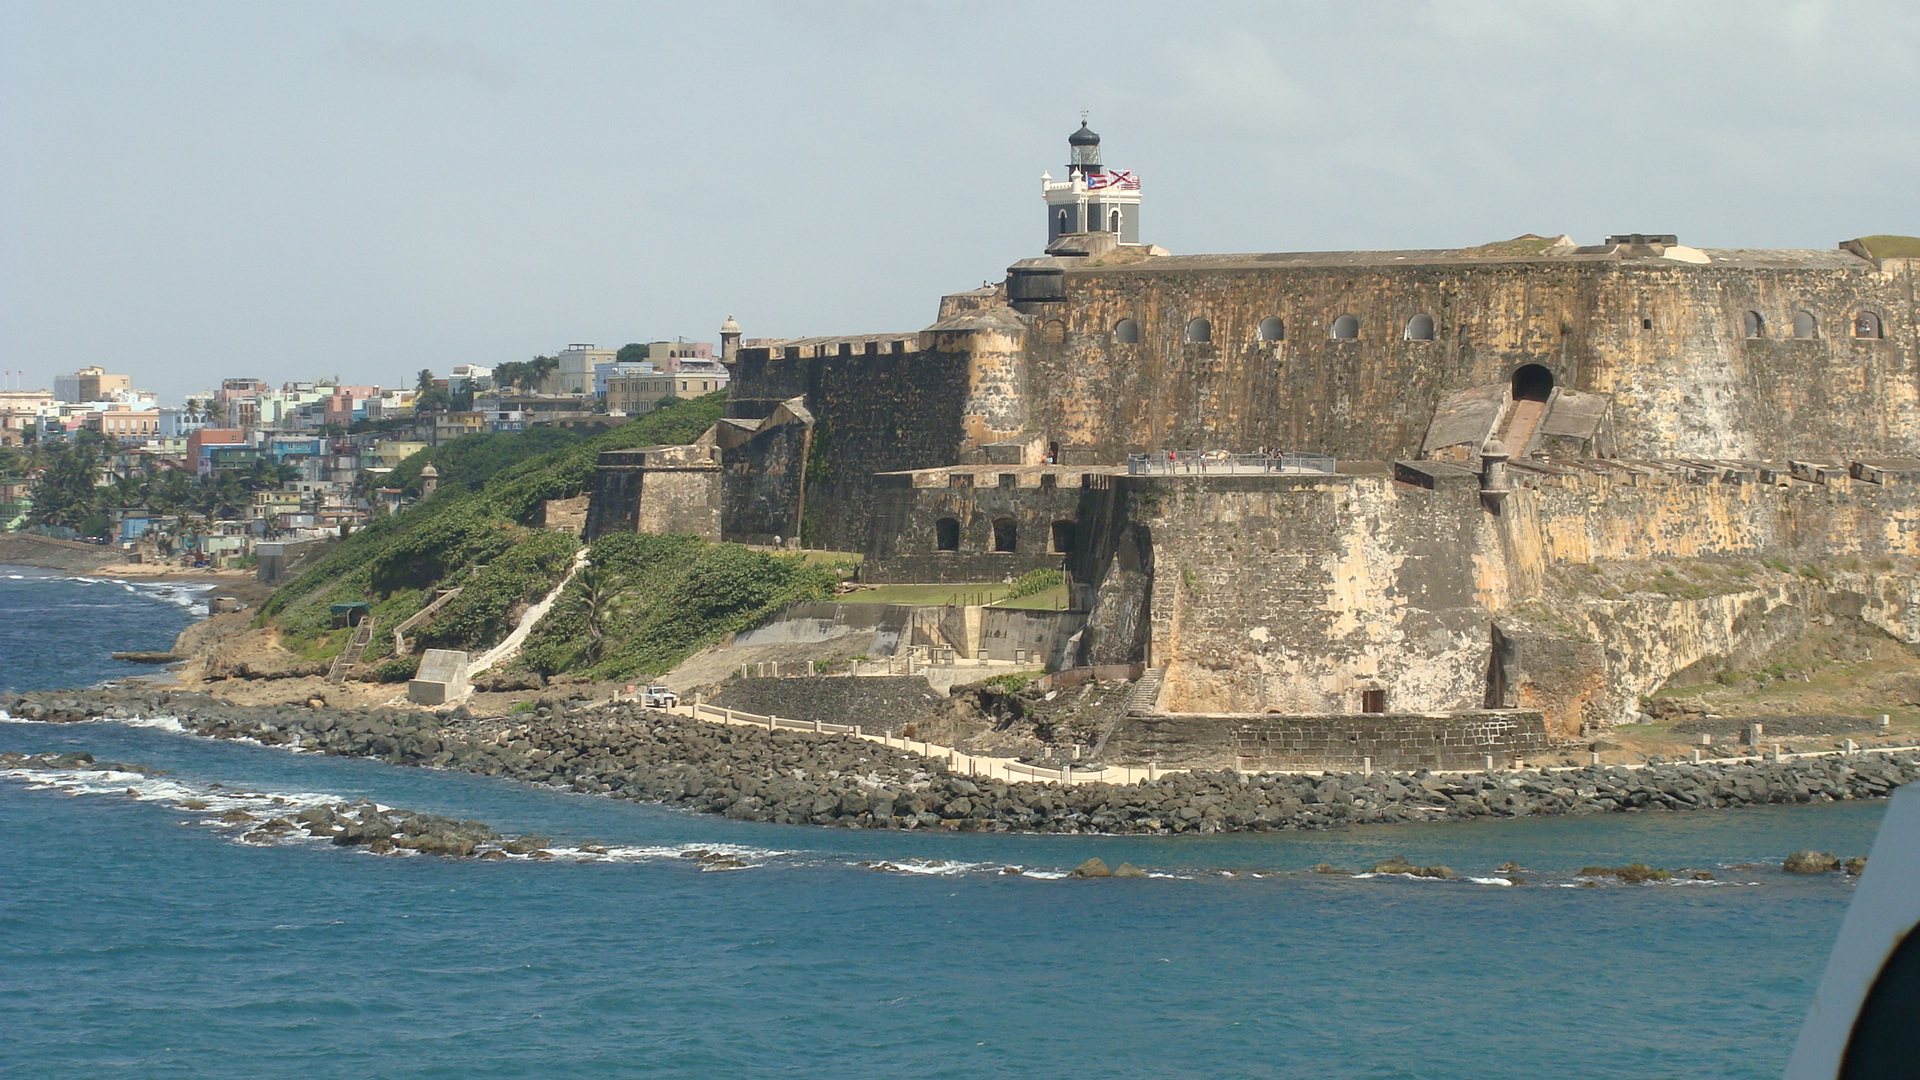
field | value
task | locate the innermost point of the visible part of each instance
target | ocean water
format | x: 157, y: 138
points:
x: 139, y: 938
x: 62, y: 631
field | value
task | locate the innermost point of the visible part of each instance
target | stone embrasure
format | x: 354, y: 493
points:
x: 802, y: 778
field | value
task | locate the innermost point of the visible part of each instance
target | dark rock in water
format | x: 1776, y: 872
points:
x: 1324, y: 868
x: 1127, y: 869
x: 1855, y: 866
x: 149, y: 657
x: 1810, y: 862
x: 1631, y: 874
x: 1398, y: 865
x: 1092, y: 868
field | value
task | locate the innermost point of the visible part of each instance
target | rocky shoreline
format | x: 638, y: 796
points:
x: 793, y: 777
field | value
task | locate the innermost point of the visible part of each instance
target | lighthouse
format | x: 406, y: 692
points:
x: 1092, y: 198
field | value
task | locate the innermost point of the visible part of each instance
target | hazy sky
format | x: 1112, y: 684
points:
x: 192, y: 190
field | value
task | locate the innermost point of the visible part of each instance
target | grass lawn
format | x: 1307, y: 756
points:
x: 1054, y: 599
x: 929, y: 595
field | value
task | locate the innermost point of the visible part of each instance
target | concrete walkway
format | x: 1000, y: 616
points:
x: 510, y: 648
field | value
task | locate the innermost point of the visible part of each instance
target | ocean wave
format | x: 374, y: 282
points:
x: 191, y: 595
x: 211, y: 799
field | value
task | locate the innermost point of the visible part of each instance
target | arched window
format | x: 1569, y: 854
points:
x: 1756, y: 326
x: 1116, y: 222
x: 946, y: 534
x: 1061, y: 228
x: 1126, y: 332
x: 1805, y: 325
x: 1531, y: 382
x: 1272, y: 329
x: 1346, y: 328
x: 1199, y: 330
x: 1004, y: 534
x: 1420, y: 328
x: 1866, y: 324
x: 1063, y: 534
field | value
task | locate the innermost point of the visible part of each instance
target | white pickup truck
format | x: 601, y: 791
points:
x: 659, y: 697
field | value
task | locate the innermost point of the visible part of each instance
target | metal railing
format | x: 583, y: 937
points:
x: 1204, y: 462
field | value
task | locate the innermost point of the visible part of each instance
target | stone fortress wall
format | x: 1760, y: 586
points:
x: 1665, y: 403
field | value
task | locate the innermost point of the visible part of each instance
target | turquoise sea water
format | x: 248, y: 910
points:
x: 137, y: 939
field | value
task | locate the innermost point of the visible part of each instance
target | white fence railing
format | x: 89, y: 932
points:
x: 992, y: 768
x: 1011, y: 771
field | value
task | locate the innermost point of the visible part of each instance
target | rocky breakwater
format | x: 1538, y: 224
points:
x: 802, y: 778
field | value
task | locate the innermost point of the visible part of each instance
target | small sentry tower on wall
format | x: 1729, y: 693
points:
x: 1092, y: 198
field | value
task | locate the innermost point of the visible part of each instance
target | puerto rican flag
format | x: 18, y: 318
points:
x: 1118, y: 178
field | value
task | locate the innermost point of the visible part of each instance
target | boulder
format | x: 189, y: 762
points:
x: 1127, y: 869
x: 1092, y: 868
x: 1810, y: 862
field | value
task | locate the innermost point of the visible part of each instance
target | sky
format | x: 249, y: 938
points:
x: 302, y: 190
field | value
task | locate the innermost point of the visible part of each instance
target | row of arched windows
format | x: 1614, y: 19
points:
x: 1345, y: 328
x: 1866, y: 324
x: 1006, y: 535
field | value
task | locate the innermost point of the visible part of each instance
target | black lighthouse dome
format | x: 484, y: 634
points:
x: 1083, y: 148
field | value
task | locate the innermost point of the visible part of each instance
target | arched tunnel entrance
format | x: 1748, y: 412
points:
x: 1532, y: 388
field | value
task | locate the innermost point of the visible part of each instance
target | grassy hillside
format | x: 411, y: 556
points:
x: 643, y: 603
x: 477, y: 532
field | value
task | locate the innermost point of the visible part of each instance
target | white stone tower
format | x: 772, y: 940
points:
x: 729, y: 341
x: 1092, y: 198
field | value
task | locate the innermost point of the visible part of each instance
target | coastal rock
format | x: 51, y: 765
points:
x: 1810, y: 862
x: 799, y: 777
x: 1127, y: 869
x: 1092, y: 868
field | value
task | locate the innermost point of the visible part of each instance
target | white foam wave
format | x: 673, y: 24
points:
x: 1490, y: 881
x: 212, y: 799
x: 710, y: 856
x: 170, y: 724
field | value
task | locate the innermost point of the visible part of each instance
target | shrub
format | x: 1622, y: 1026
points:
x: 398, y: 669
x: 1034, y: 582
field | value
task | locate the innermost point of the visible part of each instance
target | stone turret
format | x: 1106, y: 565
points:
x: 1493, y: 472
x: 729, y: 341
x: 429, y: 481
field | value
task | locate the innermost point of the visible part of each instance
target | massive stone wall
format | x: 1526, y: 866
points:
x: 1027, y: 510
x: 1392, y: 741
x: 1302, y: 594
x: 658, y: 489
x: 875, y: 411
x: 1666, y: 338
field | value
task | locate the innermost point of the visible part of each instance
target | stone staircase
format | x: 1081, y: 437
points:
x: 1522, y: 420
x: 349, y: 657
x: 1146, y: 693
x: 401, y: 647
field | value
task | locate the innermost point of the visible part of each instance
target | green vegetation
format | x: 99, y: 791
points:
x: 646, y: 602
x: 75, y: 486
x: 931, y: 595
x: 524, y: 374
x: 1034, y: 582
x: 1887, y: 246
x: 1518, y: 247
x: 478, y: 532
x: 472, y: 460
x: 1013, y: 681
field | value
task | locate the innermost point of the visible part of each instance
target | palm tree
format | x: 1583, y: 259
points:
x: 598, y: 602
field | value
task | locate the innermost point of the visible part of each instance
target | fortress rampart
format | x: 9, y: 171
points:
x: 1667, y: 340
x: 1400, y: 587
